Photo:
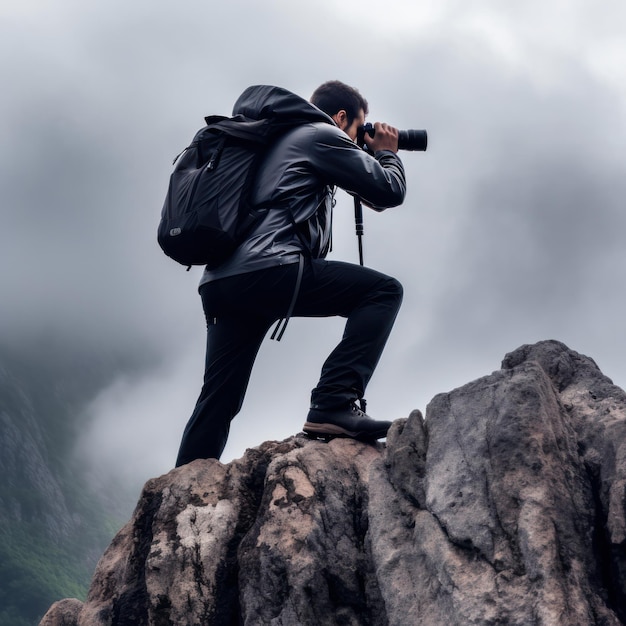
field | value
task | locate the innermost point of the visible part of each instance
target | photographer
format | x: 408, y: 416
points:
x: 280, y: 270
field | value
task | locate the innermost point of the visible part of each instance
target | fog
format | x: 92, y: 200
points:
x: 512, y: 230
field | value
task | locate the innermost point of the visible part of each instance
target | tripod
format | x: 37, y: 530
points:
x: 358, y: 224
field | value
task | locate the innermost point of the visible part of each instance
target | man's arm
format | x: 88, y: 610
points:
x: 378, y: 180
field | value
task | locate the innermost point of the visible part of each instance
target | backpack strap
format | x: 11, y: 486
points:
x: 284, y: 321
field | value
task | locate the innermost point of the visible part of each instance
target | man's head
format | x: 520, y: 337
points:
x: 343, y: 103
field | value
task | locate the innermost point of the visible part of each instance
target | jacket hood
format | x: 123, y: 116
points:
x: 267, y: 102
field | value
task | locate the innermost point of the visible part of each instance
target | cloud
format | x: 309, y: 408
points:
x: 510, y: 233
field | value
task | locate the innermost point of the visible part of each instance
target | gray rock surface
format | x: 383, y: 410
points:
x: 506, y: 505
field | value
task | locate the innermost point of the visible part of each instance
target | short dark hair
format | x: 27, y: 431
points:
x: 334, y: 96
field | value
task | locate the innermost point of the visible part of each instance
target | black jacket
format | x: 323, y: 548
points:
x: 299, y: 175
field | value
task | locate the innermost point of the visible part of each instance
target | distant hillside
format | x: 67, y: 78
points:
x: 53, y: 528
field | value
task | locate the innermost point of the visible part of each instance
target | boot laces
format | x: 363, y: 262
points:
x: 360, y: 411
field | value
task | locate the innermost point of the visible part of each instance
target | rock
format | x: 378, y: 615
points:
x: 506, y: 505
x: 62, y: 613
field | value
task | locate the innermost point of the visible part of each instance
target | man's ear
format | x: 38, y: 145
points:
x: 341, y: 119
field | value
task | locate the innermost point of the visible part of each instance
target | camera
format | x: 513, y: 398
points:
x: 407, y: 139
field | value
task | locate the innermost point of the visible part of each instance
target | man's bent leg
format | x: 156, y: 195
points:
x: 232, y: 346
x: 349, y: 367
x: 370, y: 300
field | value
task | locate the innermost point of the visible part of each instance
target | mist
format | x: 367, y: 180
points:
x: 511, y: 231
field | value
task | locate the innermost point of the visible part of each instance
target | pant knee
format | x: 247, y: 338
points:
x: 393, y: 291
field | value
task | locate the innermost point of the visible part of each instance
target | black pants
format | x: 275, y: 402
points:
x: 246, y: 306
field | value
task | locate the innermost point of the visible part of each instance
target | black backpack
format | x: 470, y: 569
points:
x: 208, y: 211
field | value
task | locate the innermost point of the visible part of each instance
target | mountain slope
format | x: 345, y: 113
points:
x: 53, y: 527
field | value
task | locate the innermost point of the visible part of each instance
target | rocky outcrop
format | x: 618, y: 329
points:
x: 506, y: 505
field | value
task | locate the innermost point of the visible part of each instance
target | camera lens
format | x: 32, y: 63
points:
x: 412, y: 140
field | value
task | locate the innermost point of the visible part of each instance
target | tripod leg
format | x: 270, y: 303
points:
x: 358, y: 223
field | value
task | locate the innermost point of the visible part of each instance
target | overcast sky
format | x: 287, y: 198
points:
x: 513, y: 229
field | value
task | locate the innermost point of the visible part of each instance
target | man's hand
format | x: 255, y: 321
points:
x: 385, y: 138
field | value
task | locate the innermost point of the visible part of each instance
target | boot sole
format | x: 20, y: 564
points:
x: 332, y: 430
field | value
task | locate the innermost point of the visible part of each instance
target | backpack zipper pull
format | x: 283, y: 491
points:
x: 215, y: 157
x: 195, y: 143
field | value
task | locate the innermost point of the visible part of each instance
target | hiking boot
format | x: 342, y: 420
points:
x: 345, y: 422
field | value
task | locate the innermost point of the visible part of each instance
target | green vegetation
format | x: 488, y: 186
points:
x: 34, y: 573
x: 53, y: 526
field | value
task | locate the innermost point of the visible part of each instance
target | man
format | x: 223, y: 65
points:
x: 280, y: 270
